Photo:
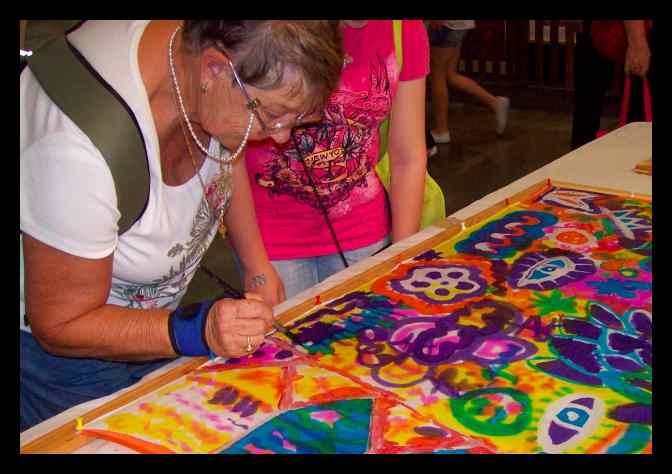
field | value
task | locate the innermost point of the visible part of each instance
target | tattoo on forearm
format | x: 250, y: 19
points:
x: 257, y: 280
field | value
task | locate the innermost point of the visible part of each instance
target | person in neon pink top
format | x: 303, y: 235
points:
x: 329, y: 166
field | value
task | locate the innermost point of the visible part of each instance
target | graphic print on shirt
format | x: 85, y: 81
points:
x: 163, y: 291
x: 334, y: 150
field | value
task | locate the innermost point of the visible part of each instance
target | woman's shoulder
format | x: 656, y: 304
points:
x: 117, y: 62
x: 414, y: 31
x: 414, y: 40
x: 46, y: 132
x: 68, y: 197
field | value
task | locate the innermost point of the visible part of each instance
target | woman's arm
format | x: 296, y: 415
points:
x: 408, y: 158
x: 65, y: 302
x: 638, y: 55
x: 68, y: 315
x: 243, y: 231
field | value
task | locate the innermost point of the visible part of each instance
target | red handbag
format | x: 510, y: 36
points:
x: 610, y: 40
x: 625, y: 104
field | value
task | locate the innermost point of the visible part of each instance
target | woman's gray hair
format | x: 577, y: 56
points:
x: 263, y: 51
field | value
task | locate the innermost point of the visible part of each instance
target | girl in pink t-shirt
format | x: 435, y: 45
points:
x: 329, y: 166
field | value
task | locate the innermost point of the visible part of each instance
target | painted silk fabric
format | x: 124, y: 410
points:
x: 530, y: 332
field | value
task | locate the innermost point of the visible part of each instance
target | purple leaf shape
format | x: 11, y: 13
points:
x: 632, y: 413
x: 623, y: 364
x: 624, y: 343
x: 641, y: 321
x: 581, y: 353
x: 605, y: 317
x: 560, y: 369
x: 581, y: 328
x: 645, y: 354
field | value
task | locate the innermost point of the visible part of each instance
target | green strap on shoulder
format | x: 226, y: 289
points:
x: 396, y: 26
x: 99, y: 112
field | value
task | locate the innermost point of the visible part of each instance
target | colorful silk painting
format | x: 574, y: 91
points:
x: 528, y: 332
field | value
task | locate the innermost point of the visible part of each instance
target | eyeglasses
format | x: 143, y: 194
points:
x: 271, y: 125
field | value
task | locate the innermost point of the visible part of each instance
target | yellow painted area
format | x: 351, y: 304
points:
x: 182, y: 418
x: 402, y: 423
x: 312, y: 382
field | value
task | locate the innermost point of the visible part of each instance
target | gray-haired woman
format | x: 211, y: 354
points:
x: 102, y: 307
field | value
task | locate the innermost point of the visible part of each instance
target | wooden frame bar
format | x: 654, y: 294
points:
x: 645, y: 167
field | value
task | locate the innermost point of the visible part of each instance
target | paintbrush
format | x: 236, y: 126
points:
x: 231, y: 292
x: 279, y: 328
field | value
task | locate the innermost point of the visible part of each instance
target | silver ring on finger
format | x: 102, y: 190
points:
x: 249, y: 345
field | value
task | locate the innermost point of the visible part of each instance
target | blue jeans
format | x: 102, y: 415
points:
x: 302, y: 273
x: 444, y: 37
x: 51, y: 384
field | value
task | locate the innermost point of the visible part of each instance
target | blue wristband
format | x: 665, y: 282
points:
x: 186, y: 327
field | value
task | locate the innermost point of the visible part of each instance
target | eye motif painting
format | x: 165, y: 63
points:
x: 568, y: 421
x: 545, y: 271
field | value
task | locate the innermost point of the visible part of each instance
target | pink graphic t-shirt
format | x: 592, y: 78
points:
x: 336, y: 158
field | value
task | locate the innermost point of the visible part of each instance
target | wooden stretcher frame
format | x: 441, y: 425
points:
x: 645, y: 167
x: 66, y: 438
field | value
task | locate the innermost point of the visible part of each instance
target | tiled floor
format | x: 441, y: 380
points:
x: 474, y: 164
x: 477, y: 162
